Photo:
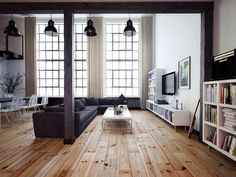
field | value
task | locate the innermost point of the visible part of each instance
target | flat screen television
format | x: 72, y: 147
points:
x: 168, y: 83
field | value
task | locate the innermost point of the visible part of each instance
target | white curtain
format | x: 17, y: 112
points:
x: 30, y: 55
x: 147, y: 57
x: 95, y: 60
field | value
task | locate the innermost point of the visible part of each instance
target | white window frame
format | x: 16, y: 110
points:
x: 122, y: 21
x: 79, y: 88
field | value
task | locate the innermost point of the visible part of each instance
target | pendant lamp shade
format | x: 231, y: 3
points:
x: 129, y: 29
x: 50, y: 30
x: 11, y: 29
x: 89, y: 29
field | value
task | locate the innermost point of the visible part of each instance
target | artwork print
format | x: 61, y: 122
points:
x: 184, y: 73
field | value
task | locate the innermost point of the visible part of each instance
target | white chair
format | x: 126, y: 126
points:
x: 32, y: 104
x: 43, y: 103
x: 5, y: 113
x: 15, y: 106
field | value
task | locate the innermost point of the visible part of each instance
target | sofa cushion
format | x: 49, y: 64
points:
x: 103, y: 108
x: 54, y: 109
x: 91, y: 101
x: 91, y: 108
x: 105, y: 101
x: 118, y: 101
x: 84, y: 115
x: 79, y: 105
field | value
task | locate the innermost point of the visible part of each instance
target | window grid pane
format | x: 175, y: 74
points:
x: 50, y: 61
x: 80, y: 60
x: 122, y: 61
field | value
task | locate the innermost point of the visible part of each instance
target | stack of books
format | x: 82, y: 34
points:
x: 229, y: 144
x: 211, y: 93
x: 228, y: 94
x: 210, y: 114
x: 212, y: 137
x: 230, y: 118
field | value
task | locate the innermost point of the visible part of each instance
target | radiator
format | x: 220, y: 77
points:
x: 134, y: 103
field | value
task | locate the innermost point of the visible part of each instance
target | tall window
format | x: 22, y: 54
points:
x: 50, y: 60
x: 121, y: 60
x: 80, y: 60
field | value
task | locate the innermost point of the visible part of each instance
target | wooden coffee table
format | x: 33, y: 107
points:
x: 110, y: 120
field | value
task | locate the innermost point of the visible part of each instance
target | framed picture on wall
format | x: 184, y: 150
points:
x: 184, y: 67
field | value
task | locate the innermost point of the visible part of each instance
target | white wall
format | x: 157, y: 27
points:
x: 177, y: 36
x: 15, y: 45
x: 224, y: 26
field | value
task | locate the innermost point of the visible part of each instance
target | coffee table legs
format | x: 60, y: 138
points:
x: 107, y: 121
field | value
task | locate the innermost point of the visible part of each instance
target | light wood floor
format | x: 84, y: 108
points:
x: 153, y: 149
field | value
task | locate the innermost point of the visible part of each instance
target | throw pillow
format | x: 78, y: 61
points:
x: 79, y: 105
x: 122, y: 97
x: 83, y: 101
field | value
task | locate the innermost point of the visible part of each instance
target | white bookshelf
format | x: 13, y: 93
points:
x: 175, y: 117
x: 216, y: 100
x: 155, y: 84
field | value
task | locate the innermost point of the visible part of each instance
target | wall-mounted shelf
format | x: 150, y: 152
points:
x: 9, y: 55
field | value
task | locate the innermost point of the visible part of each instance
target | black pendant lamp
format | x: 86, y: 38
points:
x: 11, y: 29
x: 129, y: 29
x: 89, y: 30
x: 50, y: 30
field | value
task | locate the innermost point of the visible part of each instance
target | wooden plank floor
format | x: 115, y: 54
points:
x: 154, y: 149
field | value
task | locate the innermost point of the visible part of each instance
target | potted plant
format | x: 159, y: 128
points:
x: 11, y: 82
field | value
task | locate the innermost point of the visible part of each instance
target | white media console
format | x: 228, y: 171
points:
x: 175, y: 117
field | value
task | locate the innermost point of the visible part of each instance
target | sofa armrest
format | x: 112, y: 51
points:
x: 77, y: 124
x: 48, y: 124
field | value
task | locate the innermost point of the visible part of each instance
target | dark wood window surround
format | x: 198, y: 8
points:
x: 69, y: 8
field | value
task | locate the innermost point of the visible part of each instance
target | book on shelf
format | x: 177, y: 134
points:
x: 229, y: 119
x: 233, y: 94
x: 228, y: 143
x: 228, y: 94
x: 211, y: 91
x: 211, y: 113
x: 212, y: 137
x: 232, y: 149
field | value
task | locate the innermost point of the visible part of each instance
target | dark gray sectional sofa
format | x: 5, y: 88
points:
x: 50, y: 121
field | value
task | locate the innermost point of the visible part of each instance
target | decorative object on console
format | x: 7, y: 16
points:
x: 176, y: 104
x: 184, y: 67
